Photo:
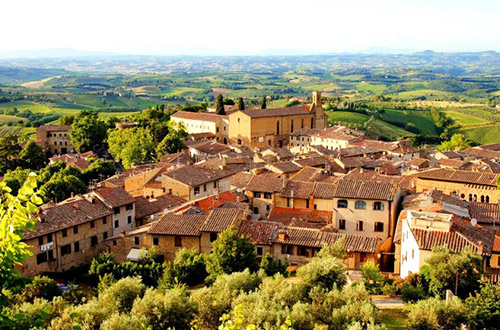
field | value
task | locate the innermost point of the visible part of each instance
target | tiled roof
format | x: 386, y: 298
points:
x: 72, y: 160
x: 275, y: 112
x: 285, y: 167
x: 195, y: 176
x: 483, y: 153
x: 305, y: 131
x: 365, y: 190
x: 211, y: 202
x: 454, y: 163
x: 265, y: 184
x: 300, y: 217
x: 451, y: 154
x: 145, y: 207
x: 357, y: 151
x: 359, y: 174
x: 259, y: 232
x: 335, y: 135
x: 298, y: 189
x: 178, y: 224
x: 220, y: 219
x: 318, y: 161
x: 54, y: 128
x: 179, y: 157
x: 71, y: 212
x: 241, y: 179
x: 325, y: 190
x: 307, y: 174
x: 211, y: 147
x: 114, y: 197
x: 485, y: 212
x: 317, y: 238
x: 204, y: 116
x: 459, y: 176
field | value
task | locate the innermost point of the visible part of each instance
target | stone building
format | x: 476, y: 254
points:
x: 202, y: 122
x: 272, y: 127
x: 54, y: 138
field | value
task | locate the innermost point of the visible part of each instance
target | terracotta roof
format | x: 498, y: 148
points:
x: 300, y: 217
x: 451, y: 154
x: 259, y: 232
x: 241, y: 179
x: 114, y: 197
x: 305, y: 132
x: 211, y: 202
x: 307, y: 174
x: 178, y: 158
x: 358, y: 151
x: 485, y: 212
x: 220, y: 219
x: 275, y: 112
x: 491, y: 146
x: 454, y: 163
x: 285, y: 167
x: 145, y: 207
x: 365, y: 190
x: 325, y: 190
x: 71, y: 212
x: 204, y: 116
x: 178, y: 224
x: 200, y: 136
x: 318, y: 161
x: 419, y: 162
x: 358, y: 174
x: 72, y: 160
x: 265, y: 184
x: 483, y: 153
x: 211, y: 147
x: 459, y: 176
x: 195, y: 175
x: 317, y: 238
x: 335, y: 135
x: 298, y: 189
x: 54, y: 128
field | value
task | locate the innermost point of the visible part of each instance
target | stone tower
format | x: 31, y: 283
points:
x: 320, y: 118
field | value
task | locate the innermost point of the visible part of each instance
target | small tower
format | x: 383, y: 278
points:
x: 320, y: 118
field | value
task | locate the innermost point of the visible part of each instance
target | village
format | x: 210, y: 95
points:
x: 285, y: 180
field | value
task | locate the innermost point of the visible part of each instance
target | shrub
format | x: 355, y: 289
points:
x: 324, y: 272
x: 483, y: 307
x: 335, y: 250
x: 273, y: 266
x: 122, y: 322
x: 411, y: 293
x: 40, y: 287
x: 434, y: 313
x: 372, y: 277
x: 121, y: 295
x: 189, y: 268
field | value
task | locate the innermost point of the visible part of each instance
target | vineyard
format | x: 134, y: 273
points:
x: 478, y: 113
x: 9, y: 130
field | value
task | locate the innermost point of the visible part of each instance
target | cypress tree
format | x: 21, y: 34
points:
x: 241, y: 104
x: 219, y: 105
x: 263, y: 104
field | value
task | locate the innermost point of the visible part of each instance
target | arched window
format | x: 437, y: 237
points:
x: 470, y: 197
x: 342, y: 204
x: 378, y: 206
x: 475, y: 198
x: 482, y: 198
x: 291, y: 128
x: 302, y: 123
x: 487, y: 199
x: 312, y: 122
x: 278, y: 127
x: 360, y: 205
x: 239, y: 141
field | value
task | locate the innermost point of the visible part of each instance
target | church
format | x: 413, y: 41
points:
x: 260, y: 128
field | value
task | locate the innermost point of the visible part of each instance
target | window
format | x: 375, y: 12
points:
x: 115, y: 243
x: 117, y: 210
x: 360, y: 205
x: 256, y: 194
x: 239, y: 140
x: 170, y: 191
x: 136, y: 240
x: 267, y: 195
x: 92, y: 224
x: 93, y: 241
x: 307, y: 203
x: 470, y: 197
x: 315, y: 206
x: 205, y: 187
x: 302, y: 123
x: 75, y: 230
x: 268, y: 207
x: 288, y: 202
x: 77, y: 246
x: 342, y: 224
x: 278, y: 127
x: 487, y: 199
x: 312, y: 122
x: 105, y: 235
x: 213, y: 237
x: 259, y: 251
x: 156, y: 241
x: 196, y: 190
x: 287, y: 249
x: 117, y: 223
x: 51, y: 255
x: 129, y: 219
x: 482, y: 198
x: 378, y: 206
x: 104, y: 221
x: 378, y: 227
x: 41, y: 258
x: 178, y: 241
x: 129, y: 207
x: 291, y: 128
x: 255, y: 210
x: 40, y: 240
x: 65, y: 249
x: 342, y: 204
x: 64, y: 233
x: 359, y: 225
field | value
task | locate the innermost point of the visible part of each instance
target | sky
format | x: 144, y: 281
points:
x: 255, y: 27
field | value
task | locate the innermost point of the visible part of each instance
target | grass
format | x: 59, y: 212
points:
x: 7, y: 118
x: 421, y: 119
x: 363, y: 86
x: 393, y: 319
x: 464, y: 119
x: 424, y: 92
x: 482, y: 135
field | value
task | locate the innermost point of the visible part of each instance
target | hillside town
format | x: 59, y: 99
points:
x: 286, y: 180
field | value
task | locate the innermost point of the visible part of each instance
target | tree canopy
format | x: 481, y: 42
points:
x: 219, y: 105
x: 131, y: 145
x: 87, y: 132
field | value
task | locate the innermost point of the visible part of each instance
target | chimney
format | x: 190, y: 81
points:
x: 317, y: 98
x: 282, y: 235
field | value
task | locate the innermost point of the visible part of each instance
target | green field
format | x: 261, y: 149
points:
x: 377, y: 89
x: 483, y: 135
x: 7, y: 118
x: 464, y: 119
x: 428, y: 93
x: 393, y: 319
x: 421, y: 119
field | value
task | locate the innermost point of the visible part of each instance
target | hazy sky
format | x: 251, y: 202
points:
x: 249, y: 27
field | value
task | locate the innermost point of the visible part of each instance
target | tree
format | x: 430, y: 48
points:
x: 9, y: 151
x: 131, y: 145
x: 219, y: 106
x: 335, y: 250
x: 241, y: 104
x: 120, y: 296
x: 457, y: 142
x: 273, y: 266
x: 372, y: 276
x: 15, y: 219
x: 483, y: 308
x: 98, y: 169
x: 263, y: 104
x: 231, y: 253
x: 66, y: 120
x: 443, y: 266
x: 327, y: 273
x: 173, y: 141
x: 188, y: 267
x: 434, y: 313
x: 87, y: 132
x: 33, y: 156
x: 61, y: 187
